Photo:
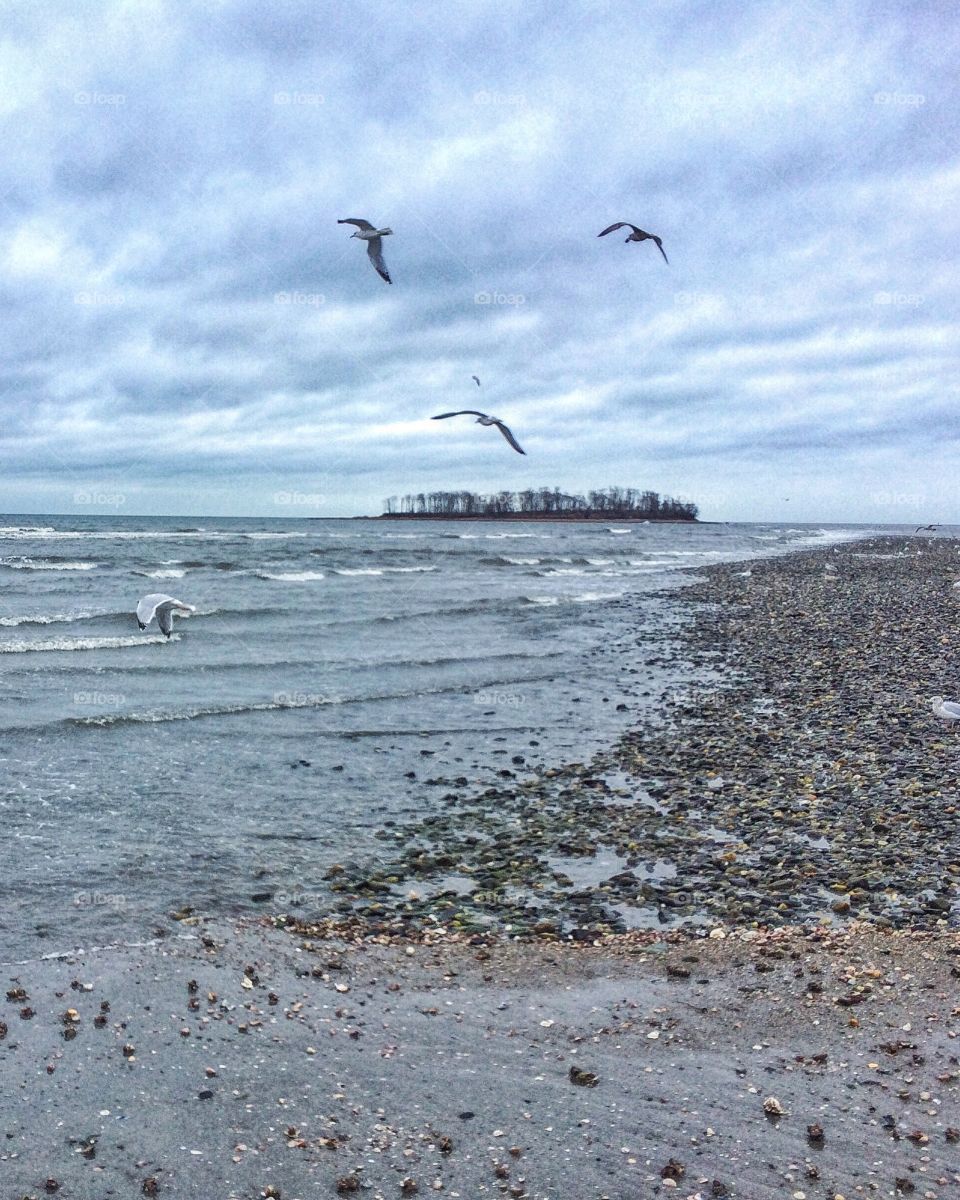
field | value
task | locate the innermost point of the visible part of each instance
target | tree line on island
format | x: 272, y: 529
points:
x: 543, y: 502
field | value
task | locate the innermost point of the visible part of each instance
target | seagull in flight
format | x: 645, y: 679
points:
x: 483, y: 419
x: 638, y: 235
x: 371, y: 235
x: 925, y: 528
x: 160, y: 606
x: 949, y: 710
x: 475, y: 380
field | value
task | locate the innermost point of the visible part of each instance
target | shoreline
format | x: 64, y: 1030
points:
x: 809, y: 781
x: 523, y: 1043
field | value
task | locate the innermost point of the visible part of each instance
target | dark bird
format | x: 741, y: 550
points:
x: 371, y: 235
x: 483, y: 419
x: 475, y: 380
x: 638, y: 235
x: 926, y: 528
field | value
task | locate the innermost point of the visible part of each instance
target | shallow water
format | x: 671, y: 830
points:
x: 331, y: 671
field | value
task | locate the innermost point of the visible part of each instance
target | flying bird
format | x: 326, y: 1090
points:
x: 475, y: 380
x: 638, y: 235
x: 925, y: 528
x: 948, y: 709
x: 160, y: 606
x: 483, y: 419
x: 371, y: 235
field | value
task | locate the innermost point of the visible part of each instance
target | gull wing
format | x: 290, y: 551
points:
x: 509, y: 436
x: 952, y: 709
x: 148, y: 606
x: 375, y: 251
x: 461, y: 412
x: 619, y: 225
x: 358, y: 221
x: 165, y: 613
x: 660, y: 248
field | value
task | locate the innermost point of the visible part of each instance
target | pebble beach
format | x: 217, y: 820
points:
x: 719, y: 958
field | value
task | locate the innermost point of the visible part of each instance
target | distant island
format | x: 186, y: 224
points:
x: 541, y: 504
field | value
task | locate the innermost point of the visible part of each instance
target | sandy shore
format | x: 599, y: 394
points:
x: 246, y: 1062
x: 781, y: 1019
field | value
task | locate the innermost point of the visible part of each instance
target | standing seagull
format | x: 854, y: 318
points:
x: 161, y: 606
x: 483, y: 419
x: 638, y: 235
x: 949, y: 710
x: 369, y: 234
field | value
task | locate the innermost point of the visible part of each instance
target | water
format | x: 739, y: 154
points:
x: 332, y: 670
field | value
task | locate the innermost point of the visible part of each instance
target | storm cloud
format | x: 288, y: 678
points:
x: 187, y: 327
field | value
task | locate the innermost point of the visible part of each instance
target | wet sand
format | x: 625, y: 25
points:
x: 390, y: 1070
x: 417, y: 1047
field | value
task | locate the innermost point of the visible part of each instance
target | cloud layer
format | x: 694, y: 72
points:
x: 189, y: 329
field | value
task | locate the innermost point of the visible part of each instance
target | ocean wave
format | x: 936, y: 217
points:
x: 163, y: 573
x: 596, y: 597
x: 90, y: 643
x: 291, y: 576
x: 51, y: 618
x: 45, y: 564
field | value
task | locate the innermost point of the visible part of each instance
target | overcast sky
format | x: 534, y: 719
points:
x: 187, y: 330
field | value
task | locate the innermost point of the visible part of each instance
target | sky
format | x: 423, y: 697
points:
x: 187, y: 329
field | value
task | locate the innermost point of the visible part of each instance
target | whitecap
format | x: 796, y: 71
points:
x: 31, y: 564
x: 91, y: 643
x: 291, y: 576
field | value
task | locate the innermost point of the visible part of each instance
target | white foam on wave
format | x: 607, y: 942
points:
x: 48, y: 618
x: 591, y: 597
x: 547, y: 601
x: 520, y: 562
x: 42, y: 564
x: 91, y: 643
x: 498, y: 536
x: 610, y: 529
x: 291, y: 576
x: 357, y: 571
x: 164, y: 573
